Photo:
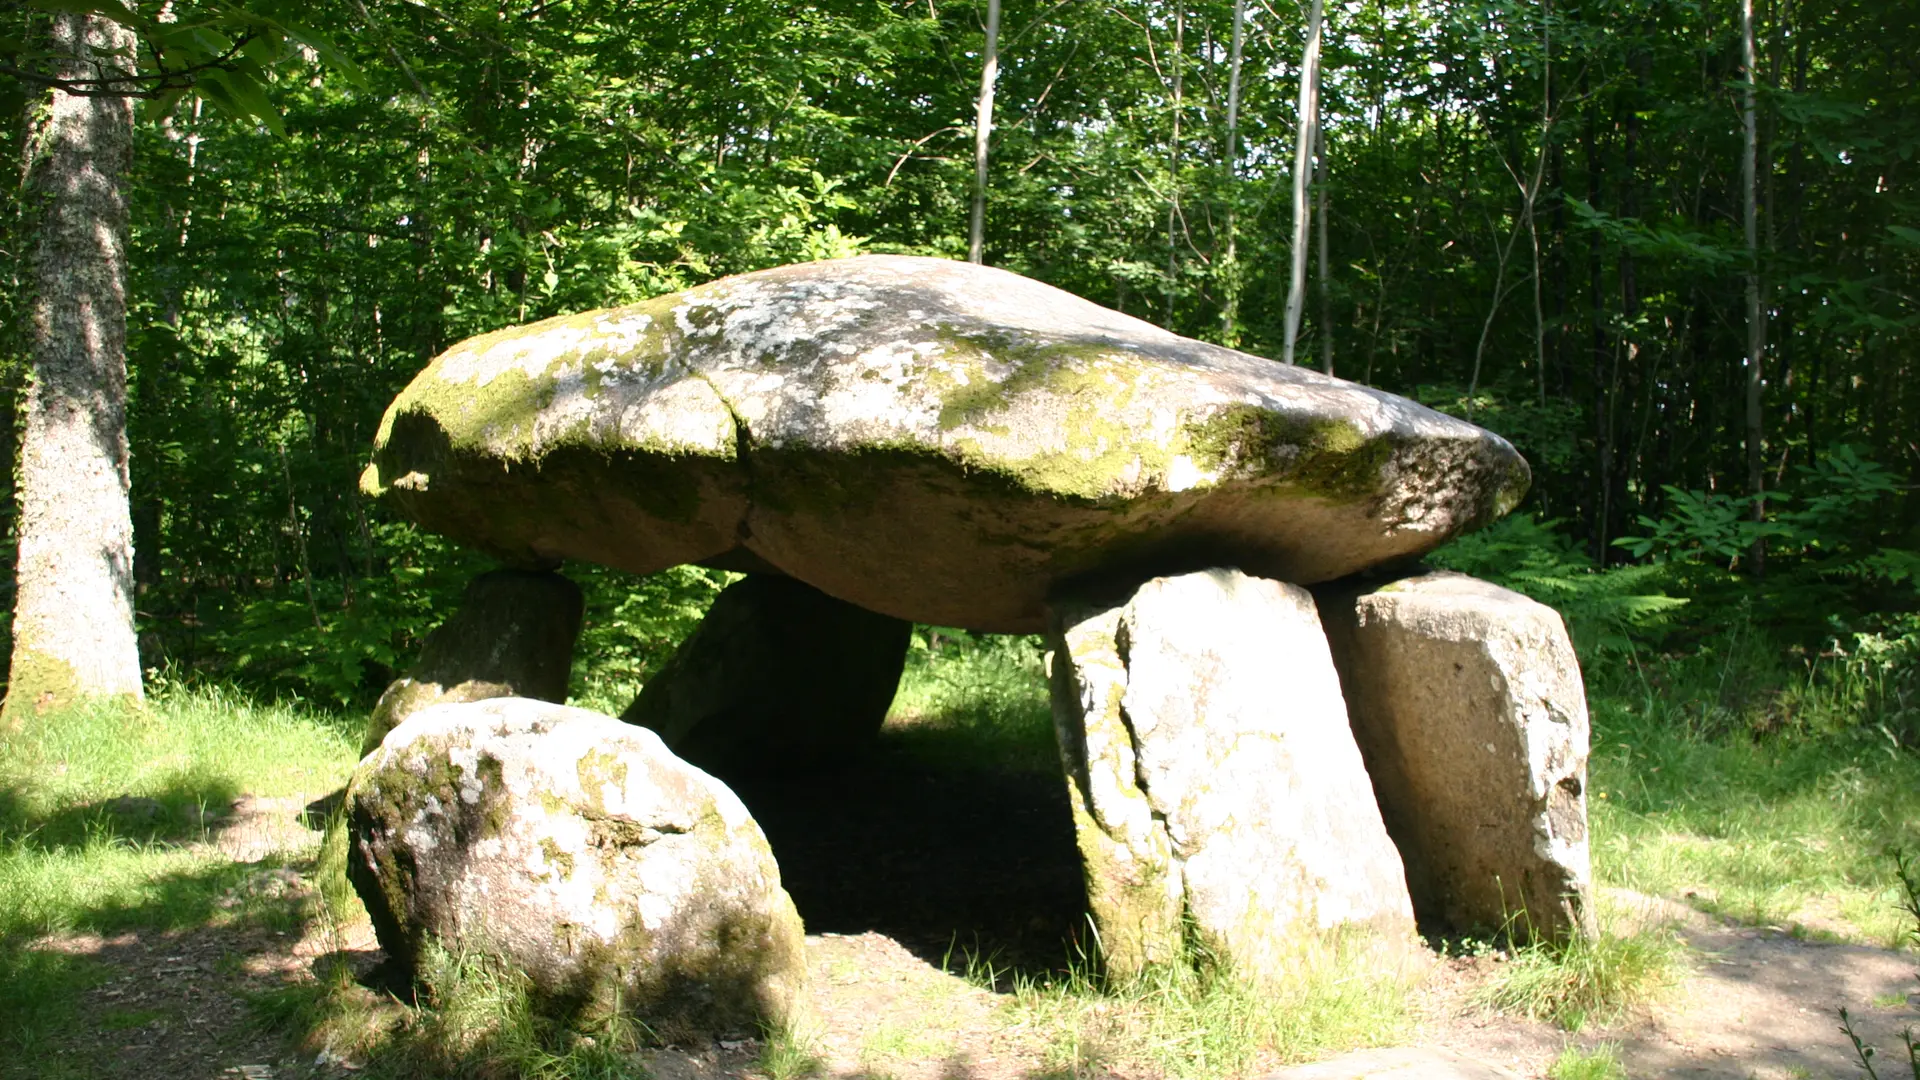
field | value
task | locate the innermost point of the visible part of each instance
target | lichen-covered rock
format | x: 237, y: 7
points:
x: 779, y: 675
x: 933, y: 440
x: 512, y: 636
x: 1213, y: 776
x: 575, y: 848
x: 1467, y: 702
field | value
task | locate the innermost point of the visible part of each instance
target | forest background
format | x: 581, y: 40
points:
x: 1532, y: 219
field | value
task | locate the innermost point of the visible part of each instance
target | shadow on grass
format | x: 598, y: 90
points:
x: 181, y: 810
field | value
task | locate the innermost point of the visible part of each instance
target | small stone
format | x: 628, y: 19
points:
x: 574, y: 848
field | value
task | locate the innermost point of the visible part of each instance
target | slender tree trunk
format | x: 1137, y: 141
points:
x: 73, y: 634
x: 1230, y: 262
x: 1173, y: 156
x: 1307, y: 120
x: 982, y: 131
x: 1756, y: 324
x: 1321, y: 280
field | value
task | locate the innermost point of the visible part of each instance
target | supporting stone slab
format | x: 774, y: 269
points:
x: 1215, y: 783
x: 1467, y: 702
x: 778, y: 675
x: 512, y: 636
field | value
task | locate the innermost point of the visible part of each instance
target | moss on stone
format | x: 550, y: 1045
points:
x: 1328, y: 457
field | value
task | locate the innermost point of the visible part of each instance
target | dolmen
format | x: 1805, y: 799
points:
x: 1274, y: 724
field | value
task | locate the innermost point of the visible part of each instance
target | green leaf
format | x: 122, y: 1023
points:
x: 329, y: 54
x: 1901, y: 232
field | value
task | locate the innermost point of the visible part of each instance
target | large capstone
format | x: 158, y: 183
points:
x: 1214, y: 780
x: 574, y: 848
x: 779, y: 675
x: 512, y: 636
x: 932, y: 440
x: 1467, y: 701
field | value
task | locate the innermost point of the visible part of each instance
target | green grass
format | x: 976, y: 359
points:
x: 1581, y: 982
x: 975, y: 701
x: 1199, y: 1020
x: 1789, y: 827
x: 73, y: 860
x: 1602, y: 1062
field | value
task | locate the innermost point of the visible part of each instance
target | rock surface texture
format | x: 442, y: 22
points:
x: 576, y: 849
x: 1467, y: 702
x: 779, y: 675
x: 928, y: 439
x: 512, y: 636
x: 1213, y: 775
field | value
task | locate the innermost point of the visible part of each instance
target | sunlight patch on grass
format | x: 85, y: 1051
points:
x: 975, y: 700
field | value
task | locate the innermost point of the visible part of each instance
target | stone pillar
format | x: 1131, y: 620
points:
x: 512, y: 636
x: 1214, y: 779
x: 778, y: 675
x: 1467, y: 702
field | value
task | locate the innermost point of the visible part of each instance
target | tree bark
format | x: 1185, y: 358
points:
x: 73, y: 635
x: 1308, y: 117
x: 1230, y: 264
x: 982, y: 131
x: 1173, y: 156
x: 1756, y: 318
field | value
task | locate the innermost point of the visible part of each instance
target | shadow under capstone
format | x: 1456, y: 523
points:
x: 949, y: 862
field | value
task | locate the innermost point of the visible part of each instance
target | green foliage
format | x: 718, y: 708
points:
x: 632, y: 625
x: 1604, y: 610
x: 1909, y: 876
x: 975, y: 699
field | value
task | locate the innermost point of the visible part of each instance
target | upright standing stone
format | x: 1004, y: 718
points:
x: 1214, y: 777
x: 512, y: 637
x: 1467, y: 702
x: 779, y: 674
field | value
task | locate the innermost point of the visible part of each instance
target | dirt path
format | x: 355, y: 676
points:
x: 1755, y: 1003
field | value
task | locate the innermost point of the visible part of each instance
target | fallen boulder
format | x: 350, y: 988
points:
x: 1467, y: 702
x: 778, y: 675
x: 1214, y: 781
x: 512, y: 636
x: 574, y: 848
x: 931, y: 440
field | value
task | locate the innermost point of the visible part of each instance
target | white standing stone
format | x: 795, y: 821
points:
x: 1213, y: 775
x: 576, y: 849
x: 1468, y: 704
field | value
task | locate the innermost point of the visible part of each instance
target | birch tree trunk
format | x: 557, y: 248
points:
x: 1308, y: 121
x: 1756, y: 317
x: 982, y: 131
x: 73, y: 635
x: 1230, y: 261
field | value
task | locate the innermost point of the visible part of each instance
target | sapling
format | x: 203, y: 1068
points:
x: 1909, y: 875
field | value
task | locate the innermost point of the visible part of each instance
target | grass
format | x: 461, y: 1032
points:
x: 1582, y: 982
x: 1786, y: 828
x: 103, y: 814
x: 1601, y: 1062
x: 975, y: 701
x: 1200, y: 1020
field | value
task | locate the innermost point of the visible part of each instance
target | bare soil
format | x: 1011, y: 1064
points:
x: 900, y: 873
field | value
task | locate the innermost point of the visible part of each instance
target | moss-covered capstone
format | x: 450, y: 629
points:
x: 928, y: 439
x: 575, y: 848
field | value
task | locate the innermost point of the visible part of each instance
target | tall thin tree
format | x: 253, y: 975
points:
x: 1230, y: 261
x: 982, y: 132
x: 1756, y: 316
x: 1173, y: 154
x: 1307, y: 120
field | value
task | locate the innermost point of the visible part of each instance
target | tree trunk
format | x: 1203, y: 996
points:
x: 982, y: 130
x: 1173, y: 157
x: 1308, y: 117
x: 1756, y: 324
x: 1230, y: 263
x: 1322, y: 280
x: 73, y: 632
